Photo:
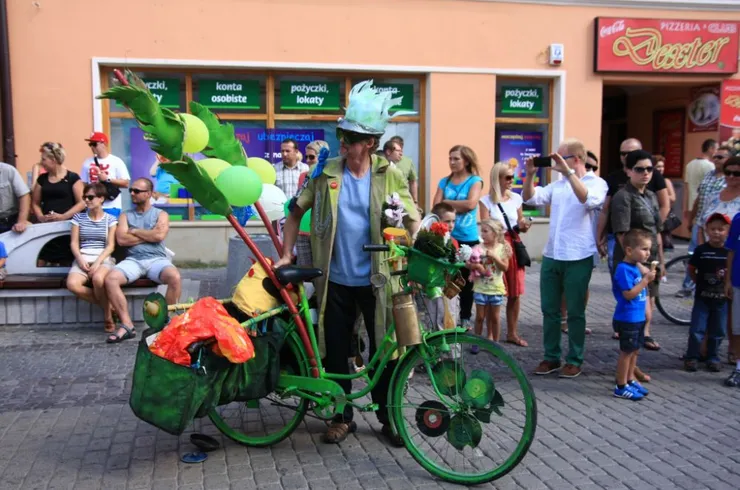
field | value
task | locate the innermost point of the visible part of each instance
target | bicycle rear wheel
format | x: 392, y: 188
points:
x: 484, y: 422
x: 674, y: 301
x: 271, y: 419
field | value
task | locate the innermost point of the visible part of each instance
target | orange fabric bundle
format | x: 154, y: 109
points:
x: 206, y: 319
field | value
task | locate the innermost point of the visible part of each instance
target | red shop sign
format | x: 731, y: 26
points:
x: 665, y: 46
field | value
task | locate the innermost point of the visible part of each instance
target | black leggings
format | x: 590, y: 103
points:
x: 466, y: 294
x: 342, y: 303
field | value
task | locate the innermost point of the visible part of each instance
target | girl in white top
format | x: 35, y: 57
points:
x: 93, y: 239
x: 501, y: 198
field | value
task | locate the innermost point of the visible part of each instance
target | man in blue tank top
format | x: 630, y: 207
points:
x: 142, y: 229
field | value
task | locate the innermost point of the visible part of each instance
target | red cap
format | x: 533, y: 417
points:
x: 98, y: 138
x: 719, y: 216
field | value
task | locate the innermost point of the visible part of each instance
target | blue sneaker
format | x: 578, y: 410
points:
x: 627, y: 392
x: 636, y: 386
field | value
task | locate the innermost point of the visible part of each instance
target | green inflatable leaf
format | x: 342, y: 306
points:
x: 483, y: 414
x: 464, y: 430
x: 162, y: 127
x: 199, y: 184
x: 479, y: 389
x: 497, y: 402
x: 222, y: 143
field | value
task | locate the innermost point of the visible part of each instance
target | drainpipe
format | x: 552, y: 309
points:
x: 6, y: 95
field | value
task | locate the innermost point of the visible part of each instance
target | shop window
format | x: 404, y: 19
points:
x: 168, y: 88
x: 304, y: 94
x: 304, y: 132
x: 522, y: 99
x: 224, y: 93
x: 409, y: 131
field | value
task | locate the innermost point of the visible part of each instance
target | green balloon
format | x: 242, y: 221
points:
x: 305, y: 225
x: 240, y: 185
x: 213, y: 166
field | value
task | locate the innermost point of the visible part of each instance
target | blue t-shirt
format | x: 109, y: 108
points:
x: 733, y: 243
x: 3, y: 252
x: 466, y: 224
x: 349, y: 265
x: 625, y: 278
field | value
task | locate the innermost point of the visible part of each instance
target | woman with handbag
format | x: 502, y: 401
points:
x: 506, y: 207
x: 672, y: 221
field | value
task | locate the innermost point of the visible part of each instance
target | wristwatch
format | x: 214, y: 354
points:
x: 570, y: 172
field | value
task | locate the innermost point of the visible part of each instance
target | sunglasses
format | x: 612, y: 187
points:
x: 719, y: 157
x: 92, y: 144
x: 591, y: 167
x: 137, y: 191
x: 643, y: 170
x: 90, y: 197
x: 508, y: 178
x: 733, y: 173
x: 624, y: 153
x: 349, y: 138
x: 310, y: 157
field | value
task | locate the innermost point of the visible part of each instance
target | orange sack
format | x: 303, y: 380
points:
x: 206, y: 319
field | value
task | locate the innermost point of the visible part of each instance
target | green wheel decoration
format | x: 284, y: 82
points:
x: 479, y: 389
x: 155, y: 311
x: 433, y: 418
x: 449, y: 377
x: 465, y: 430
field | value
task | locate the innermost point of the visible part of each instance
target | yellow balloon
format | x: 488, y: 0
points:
x: 263, y: 168
x: 196, y: 134
x: 213, y: 166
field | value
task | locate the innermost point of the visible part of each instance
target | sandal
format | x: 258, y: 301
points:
x: 115, y: 338
x: 518, y: 342
x: 641, y: 377
x: 338, y: 431
x: 650, y: 344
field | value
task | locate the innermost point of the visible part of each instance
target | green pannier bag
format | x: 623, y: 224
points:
x: 169, y: 396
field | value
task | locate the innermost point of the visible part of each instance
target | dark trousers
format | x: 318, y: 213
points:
x: 708, y: 319
x: 342, y: 304
x: 7, y: 223
x: 466, y: 293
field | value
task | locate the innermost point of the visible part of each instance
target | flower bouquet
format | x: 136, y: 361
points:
x: 435, y: 257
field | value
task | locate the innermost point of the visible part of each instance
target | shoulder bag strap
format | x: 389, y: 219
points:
x: 514, y: 234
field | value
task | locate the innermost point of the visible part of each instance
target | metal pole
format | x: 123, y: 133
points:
x: 6, y: 94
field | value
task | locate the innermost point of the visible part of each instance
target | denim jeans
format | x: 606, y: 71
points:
x: 708, y: 318
x: 687, y: 282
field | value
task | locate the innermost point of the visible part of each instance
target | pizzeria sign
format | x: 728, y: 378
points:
x: 665, y: 46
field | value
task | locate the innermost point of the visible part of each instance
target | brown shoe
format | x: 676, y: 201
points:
x: 338, y: 432
x: 570, y: 371
x: 547, y: 367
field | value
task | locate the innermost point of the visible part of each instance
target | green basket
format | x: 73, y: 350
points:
x: 428, y: 271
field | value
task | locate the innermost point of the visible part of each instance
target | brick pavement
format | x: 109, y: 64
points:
x: 65, y: 423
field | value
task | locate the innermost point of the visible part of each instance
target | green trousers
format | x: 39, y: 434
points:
x: 569, y: 277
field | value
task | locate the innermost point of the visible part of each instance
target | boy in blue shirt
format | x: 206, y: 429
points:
x: 708, y: 270
x: 631, y: 280
x: 3, y: 259
x: 732, y: 290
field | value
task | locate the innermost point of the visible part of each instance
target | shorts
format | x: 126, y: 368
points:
x: 631, y: 335
x: 135, y: 269
x: 482, y: 299
x: 115, y: 212
x: 90, y: 258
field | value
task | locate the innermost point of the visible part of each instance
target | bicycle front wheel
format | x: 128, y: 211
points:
x: 271, y: 419
x: 483, y: 423
x: 675, y: 298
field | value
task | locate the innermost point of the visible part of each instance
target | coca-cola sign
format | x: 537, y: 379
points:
x: 665, y: 46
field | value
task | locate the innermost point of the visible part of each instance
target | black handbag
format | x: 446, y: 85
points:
x: 671, y: 222
x: 520, y: 250
x: 110, y: 188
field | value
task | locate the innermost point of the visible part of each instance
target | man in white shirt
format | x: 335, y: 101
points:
x: 105, y: 167
x: 290, y: 169
x: 695, y: 172
x: 568, y: 256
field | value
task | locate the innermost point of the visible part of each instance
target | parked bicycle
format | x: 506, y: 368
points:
x: 675, y: 298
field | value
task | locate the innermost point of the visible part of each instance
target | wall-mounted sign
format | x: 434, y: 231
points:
x: 311, y: 96
x: 405, y: 90
x: 665, y: 46
x: 668, y: 140
x: 521, y: 100
x: 704, y: 109
x: 229, y: 94
x: 729, y: 119
x: 165, y: 90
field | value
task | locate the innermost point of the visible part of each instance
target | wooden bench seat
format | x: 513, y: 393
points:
x: 55, y: 282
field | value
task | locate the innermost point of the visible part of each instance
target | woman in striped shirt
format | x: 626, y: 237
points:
x: 93, y: 242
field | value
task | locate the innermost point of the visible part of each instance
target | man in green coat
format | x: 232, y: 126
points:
x: 347, y: 197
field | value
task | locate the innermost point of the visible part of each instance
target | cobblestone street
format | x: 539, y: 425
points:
x: 65, y: 422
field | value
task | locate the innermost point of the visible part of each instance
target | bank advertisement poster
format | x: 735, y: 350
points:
x: 263, y: 143
x: 729, y: 119
x: 515, y: 147
x: 703, y: 110
x: 630, y: 45
x: 668, y: 131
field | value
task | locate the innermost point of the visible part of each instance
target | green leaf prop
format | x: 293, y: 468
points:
x: 162, y: 127
x: 222, y: 143
x: 199, y: 184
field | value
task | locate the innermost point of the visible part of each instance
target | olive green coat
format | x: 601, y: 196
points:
x: 385, y: 180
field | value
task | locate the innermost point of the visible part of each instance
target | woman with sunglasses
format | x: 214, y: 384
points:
x: 726, y: 201
x: 93, y: 241
x: 636, y: 207
x: 462, y: 190
x: 498, y: 202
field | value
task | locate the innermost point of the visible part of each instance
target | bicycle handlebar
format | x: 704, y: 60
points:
x: 376, y: 248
